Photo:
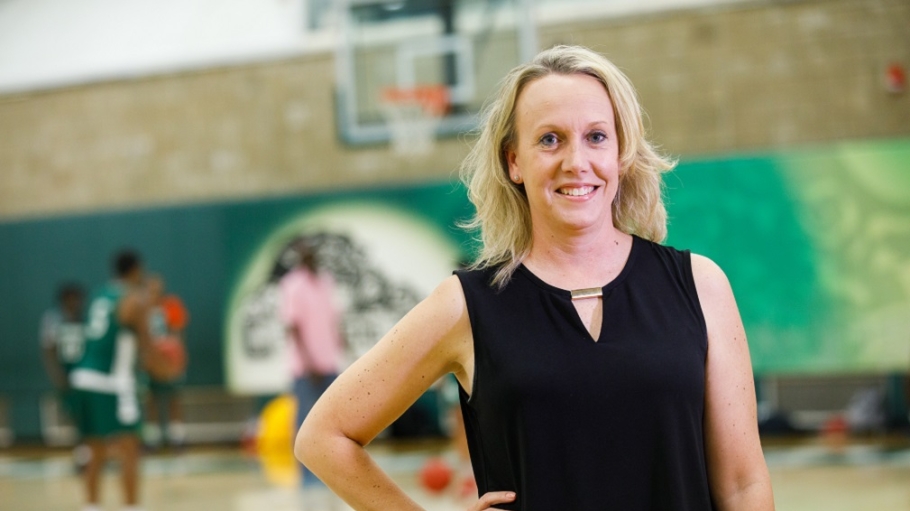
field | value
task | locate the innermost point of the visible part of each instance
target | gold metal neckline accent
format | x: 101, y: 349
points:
x: 588, y: 292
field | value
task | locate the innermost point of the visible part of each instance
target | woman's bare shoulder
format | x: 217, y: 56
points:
x: 449, y: 295
x: 447, y: 310
x: 710, y: 280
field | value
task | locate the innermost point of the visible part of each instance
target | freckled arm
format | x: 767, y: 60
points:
x: 737, y: 473
x: 429, y: 342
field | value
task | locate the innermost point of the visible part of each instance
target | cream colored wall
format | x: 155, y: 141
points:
x: 713, y: 81
x: 768, y: 75
x: 237, y: 132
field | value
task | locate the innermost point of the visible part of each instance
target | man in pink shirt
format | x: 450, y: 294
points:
x: 312, y: 323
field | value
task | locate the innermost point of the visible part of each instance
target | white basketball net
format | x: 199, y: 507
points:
x: 412, y: 120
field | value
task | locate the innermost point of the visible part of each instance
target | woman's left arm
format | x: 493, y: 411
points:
x: 737, y: 472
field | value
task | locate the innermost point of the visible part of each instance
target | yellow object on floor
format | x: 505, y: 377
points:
x: 275, y: 441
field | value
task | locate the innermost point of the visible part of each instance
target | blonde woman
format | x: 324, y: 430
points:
x: 598, y: 368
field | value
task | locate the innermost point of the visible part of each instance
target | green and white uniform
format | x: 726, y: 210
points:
x: 105, y: 376
x: 65, y: 336
x: 159, y: 330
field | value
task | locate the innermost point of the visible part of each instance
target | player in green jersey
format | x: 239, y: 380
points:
x: 167, y: 320
x: 62, y: 344
x: 106, y: 406
x: 62, y: 341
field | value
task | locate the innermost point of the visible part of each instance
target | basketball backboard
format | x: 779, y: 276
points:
x: 467, y: 46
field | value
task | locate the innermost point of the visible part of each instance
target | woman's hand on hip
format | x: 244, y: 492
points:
x: 493, y: 497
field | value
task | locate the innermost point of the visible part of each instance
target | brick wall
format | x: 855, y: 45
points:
x: 720, y: 80
x: 767, y: 75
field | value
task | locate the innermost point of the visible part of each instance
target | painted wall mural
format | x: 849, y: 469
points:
x: 815, y: 241
x: 384, y: 261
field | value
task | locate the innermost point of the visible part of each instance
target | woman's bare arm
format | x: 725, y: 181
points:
x: 429, y: 342
x: 737, y: 472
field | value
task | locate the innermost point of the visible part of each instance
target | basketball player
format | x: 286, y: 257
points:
x: 164, y: 391
x: 106, y: 403
x: 62, y: 341
x: 62, y: 344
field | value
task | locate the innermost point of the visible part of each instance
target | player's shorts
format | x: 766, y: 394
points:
x: 99, y: 414
x: 68, y: 401
x: 163, y: 388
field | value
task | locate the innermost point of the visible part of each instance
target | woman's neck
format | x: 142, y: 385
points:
x: 581, y: 260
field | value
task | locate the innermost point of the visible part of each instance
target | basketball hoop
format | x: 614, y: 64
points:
x: 412, y: 115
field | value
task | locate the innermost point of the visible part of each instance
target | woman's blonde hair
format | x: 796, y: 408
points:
x: 503, y: 217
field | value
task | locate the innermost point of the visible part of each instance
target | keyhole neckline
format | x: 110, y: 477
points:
x: 567, y: 294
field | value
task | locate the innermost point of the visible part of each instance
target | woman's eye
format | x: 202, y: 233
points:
x: 598, y: 137
x: 549, y: 139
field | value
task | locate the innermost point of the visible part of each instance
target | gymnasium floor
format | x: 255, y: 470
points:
x: 807, y: 477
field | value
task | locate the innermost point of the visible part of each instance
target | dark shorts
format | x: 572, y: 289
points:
x: 164, y: 388
x: 101, y: 415
x: 68, y: 401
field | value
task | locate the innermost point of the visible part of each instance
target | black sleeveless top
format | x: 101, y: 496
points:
x: 570, y: 424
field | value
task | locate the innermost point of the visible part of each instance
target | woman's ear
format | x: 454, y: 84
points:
x: 514, y: 172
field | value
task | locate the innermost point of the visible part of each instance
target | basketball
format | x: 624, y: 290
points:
x: 175, y: 314
x: 172, y: 350
x: 455, y: 255
x: 435, y: 475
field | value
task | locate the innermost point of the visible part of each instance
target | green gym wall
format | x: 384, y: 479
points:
x: 815, y: 241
